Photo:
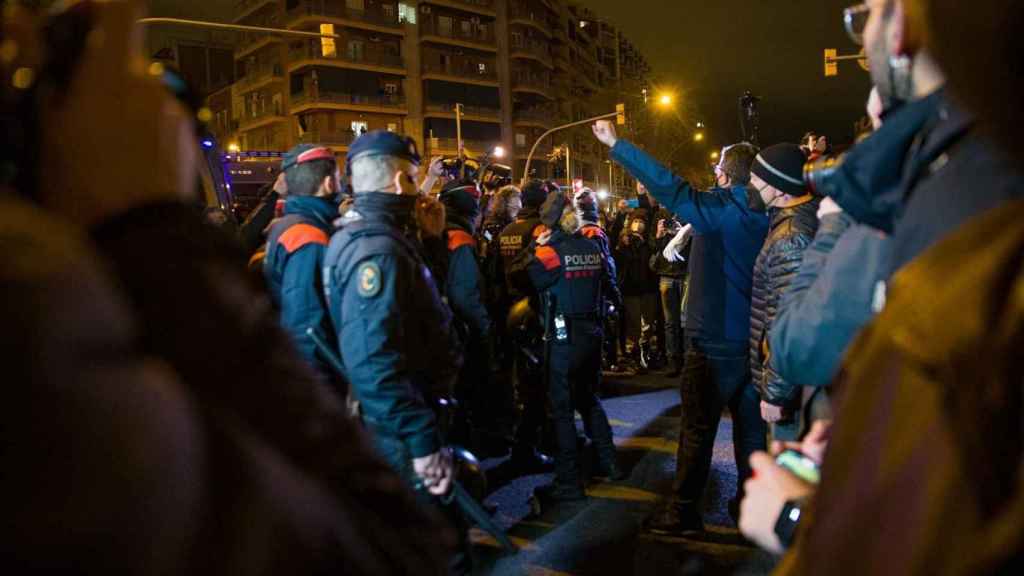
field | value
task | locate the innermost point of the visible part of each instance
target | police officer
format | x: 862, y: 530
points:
x: 571, y: 271
x: 296, y: 244
x: 394, y: 332
x: 514, y: 241
x: 585, y: 203
x: 461, y: 199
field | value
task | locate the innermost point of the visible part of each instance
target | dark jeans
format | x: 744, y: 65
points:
x: 716, y: 375
x: 575, y: 375
x: 671, y: 308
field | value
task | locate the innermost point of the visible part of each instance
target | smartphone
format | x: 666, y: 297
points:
x: 800, y: 465
x: 633, y: 203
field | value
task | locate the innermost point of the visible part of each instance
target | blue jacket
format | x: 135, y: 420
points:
x: 292, y: 267
x: 828, y: 302
x: 395, y: 334
x: 575, y: 271
x: 729, y: 226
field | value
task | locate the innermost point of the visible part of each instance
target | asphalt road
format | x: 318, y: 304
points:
x: 603, y: 535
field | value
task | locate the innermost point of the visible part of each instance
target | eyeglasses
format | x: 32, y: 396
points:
x: 855, y: 18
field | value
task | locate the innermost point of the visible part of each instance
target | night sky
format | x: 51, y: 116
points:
x: 714, y: 50
x: 710, y: 51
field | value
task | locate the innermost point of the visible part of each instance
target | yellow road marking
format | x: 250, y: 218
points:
x: 615, y: 492
x: 481, y: 538
x: 650, y: 443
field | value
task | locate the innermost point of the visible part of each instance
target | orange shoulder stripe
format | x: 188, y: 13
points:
x: 300, y: 235
x: 539, y: 229
x: 548, y: 257
x: 459, y: 238
x: 593, y: 231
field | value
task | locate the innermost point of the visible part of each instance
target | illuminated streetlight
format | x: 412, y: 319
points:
x: 699, y: 136
x: 234, y: 148
x: 499, y: 151
x: 602, y: 194
x: 665, y: 100
x: 714, y: 155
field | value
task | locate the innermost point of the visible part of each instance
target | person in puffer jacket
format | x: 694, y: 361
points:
x: 777, y: 174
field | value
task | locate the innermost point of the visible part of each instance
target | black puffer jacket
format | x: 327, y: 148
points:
x: 790, y: 232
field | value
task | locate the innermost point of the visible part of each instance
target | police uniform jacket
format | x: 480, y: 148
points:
x: 514, y: 239
x: 597, y: 235
x: 394, y: 332
x: 465, y: 283
x: 295, y: 251
x: 573, y: 270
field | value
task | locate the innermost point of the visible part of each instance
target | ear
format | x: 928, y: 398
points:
x: 896, y: 32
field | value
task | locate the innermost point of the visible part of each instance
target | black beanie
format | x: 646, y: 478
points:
x: 782, y: 166
x: 534, y: 194
x: 461, y: 197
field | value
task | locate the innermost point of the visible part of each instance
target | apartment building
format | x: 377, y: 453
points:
x: 517, y: 67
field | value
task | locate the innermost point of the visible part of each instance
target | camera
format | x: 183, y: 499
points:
x: 818, y: 174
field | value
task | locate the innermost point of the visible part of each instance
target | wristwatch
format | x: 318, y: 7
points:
x: 789, y: 519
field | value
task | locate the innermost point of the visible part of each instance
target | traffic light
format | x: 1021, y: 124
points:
x: 620, y: 114
x: 831, y: 64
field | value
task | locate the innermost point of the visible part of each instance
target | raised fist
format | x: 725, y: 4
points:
x: 604, y: 130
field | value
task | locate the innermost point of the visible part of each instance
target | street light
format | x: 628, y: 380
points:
x: 499, y: 151
x: 665, y: 100
x: 714, y: 155
x: 602, y: 194
x: 234, y: 148
x: 698, y: 137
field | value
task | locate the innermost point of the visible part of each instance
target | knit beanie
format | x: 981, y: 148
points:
x: 782, y: 166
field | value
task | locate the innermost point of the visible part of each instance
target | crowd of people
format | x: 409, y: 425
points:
x: 858, y: 316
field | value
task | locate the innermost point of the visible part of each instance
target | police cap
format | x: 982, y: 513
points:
x: 384, y: 143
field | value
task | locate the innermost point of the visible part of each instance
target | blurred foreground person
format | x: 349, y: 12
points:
x: 398, y: 345
x: 730, y: 225
x: 922, y: 472
x: 162, y: 422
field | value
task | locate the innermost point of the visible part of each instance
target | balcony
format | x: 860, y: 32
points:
x: 266, y: 117
x: 538, y: 20
x: 246, y: 8
x: 312, y: 53
x: 310, y: 99
x: 483, y: 7
x: 472, y: 113
x: 536, y: 51
x: 338, y: 138
x: 251, y: 42
x: 533, y: 83
x: 451, y: 146
x: 260, y: 77
x: 317, y: 10
x: 535, y: 117
x: 476, y: 37
x: 468, y: 72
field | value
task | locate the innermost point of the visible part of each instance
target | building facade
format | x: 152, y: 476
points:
x: 516, y: 67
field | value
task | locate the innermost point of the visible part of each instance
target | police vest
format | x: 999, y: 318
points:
x: 578, y: 292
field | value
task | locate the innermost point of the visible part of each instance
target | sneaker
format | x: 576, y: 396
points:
x: 675, y: 520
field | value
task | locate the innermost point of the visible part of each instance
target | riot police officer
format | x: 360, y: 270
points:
x: 573, y: 275
x: 394, y: 332
x: 296, y: 245
x: 513, y: 242
x: 461, y: 199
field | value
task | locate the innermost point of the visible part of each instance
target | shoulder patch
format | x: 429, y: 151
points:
x: 548, y: 257
x: 593, y: 232
x: 459, y: 238
x: 300, y: 235
x: 539, y: 229
x: 369, y: 278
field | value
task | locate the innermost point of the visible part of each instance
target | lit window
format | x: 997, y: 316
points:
x: 327, y: 46
x: 392, y: 127
x: 483, y: 68
x: 406, y: 13
x: 359, y: 127
x: 521, y: 140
